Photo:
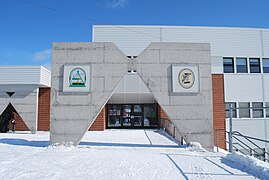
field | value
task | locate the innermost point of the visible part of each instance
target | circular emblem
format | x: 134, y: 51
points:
x: 186, y: 78
x: 77, y: 78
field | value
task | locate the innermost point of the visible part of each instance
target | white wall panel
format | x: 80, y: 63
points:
x: 251, y: 127
x: 225, y: 41
x: 265, y: 35
x: 19, y: 75
x: 217, y: 65
x: 24, y: 75
x: 266, y: 87
x: 45, y: 77
x: 132, y: 40
x: 243, y: 87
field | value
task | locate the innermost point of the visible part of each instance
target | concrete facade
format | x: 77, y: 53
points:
x: 24, y: 100
x: 73, y: 113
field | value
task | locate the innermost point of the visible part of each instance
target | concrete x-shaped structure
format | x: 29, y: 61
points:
x: 72, y: 113
x: 24, y: 100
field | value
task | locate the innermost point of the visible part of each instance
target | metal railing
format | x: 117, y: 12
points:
x: 245, y: 144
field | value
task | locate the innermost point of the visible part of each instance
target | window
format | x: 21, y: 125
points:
x: 228, y: 65
x: 254, y: 64
x: 265, y: 65
x: 227, y: 106
x: 267, y: 109
x: 244, y: 109
x: 241, y: 65
x: 257, y: 109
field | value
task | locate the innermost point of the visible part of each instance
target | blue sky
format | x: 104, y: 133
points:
x: 28, y: 27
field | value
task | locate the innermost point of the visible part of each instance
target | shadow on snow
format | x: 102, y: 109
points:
x: 129, y: 145
x: 23, y: 142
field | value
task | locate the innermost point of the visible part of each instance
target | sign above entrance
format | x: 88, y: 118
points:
x: 77, y: 78
x: 185, y: 79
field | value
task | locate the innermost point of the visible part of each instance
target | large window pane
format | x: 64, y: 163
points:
x: 126, y: 115
x: 244, y: 111
x: 241, y: 65
x: 265, y: 65
x: 228, y: 65
x: 257, y: 109
x: 227, y: 105
x: 150, y: 115
x: 138, y: 115
x: 267, y: 109
x: 114, y: 116
x: 254, y: 64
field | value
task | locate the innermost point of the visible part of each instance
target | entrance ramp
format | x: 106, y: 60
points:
x: 140, y: 138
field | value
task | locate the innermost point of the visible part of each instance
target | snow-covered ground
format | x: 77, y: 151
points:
x: 119, y: 154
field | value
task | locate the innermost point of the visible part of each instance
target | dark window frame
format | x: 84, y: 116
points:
x: 243, y: 110
x: 258, y: 109
x: 265, y: 69
x: 227, y: 113
x: 228, y: 67
x: 253, y: 66
x: 267, y: 109
x: 239, y: 68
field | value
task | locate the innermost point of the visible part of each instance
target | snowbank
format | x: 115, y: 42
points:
x: 250, y: 164
x: 195, y: 146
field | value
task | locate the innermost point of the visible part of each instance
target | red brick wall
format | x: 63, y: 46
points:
x: 99, y: 123
x: 43, y: 109
x: 161, y: 113
x: 219, y: 108
x: 161, y: 117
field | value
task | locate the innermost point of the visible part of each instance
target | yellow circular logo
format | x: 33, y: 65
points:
x: 186, y: 78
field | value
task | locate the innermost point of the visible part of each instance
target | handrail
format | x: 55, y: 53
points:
x: 252, y: 149
x: 241, y: 146
x: 249, y: 137
x: 236, y: 135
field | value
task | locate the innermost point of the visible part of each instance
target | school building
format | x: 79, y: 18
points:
x: 173, y: 77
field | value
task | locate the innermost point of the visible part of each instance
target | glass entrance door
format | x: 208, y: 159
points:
x: 126, y: 115
x: 137, y: 117
x: 132, y: 116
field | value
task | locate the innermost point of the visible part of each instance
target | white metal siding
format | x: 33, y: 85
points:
x: 45, y: 77
x: 22, y: 75
x: 132, y: 40
x: 265, y: 35
x: 243, y: 88
x: 251, y: 127
x: 266, y: 87
x: 223, y: 42
x: 217, y: 65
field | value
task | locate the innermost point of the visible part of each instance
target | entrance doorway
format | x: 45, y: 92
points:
x: 4, y: 121
x: 132, y: 116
